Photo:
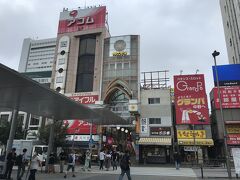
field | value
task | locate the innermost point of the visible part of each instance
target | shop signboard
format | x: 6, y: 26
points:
x: 79, y: 127
x: 120, y: 46
x: 233, y: 129
x: 84, y: 98
x: 191, y: 148
x: 191, y: 99
x: 81, y: 19
x: 190, y: 134
x: 144, y: 126
x: 84, y: 138
x: 233, y: 139
x: 160, y: 131
x: 236, y: 159
x: 197, y: 142
x: 228, y: 75
x: 230, y: 97
x: 189, y: 84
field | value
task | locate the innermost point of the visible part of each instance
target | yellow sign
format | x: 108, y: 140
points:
x: 191, y: 134
x: 198, y: 142
x: 233, y: 129
x: 119, y: 53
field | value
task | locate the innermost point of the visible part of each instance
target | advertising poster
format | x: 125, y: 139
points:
x: 191, y: 99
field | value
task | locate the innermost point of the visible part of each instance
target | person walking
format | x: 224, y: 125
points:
x: 87, y: 160
x: 125, y: 166
x: 62, y: 157
x: 177, y: 160
x: 11, y: 158
x: 101, y: 158
x: 51, y: 163
x: 114, y: 159
x: 34, y: 164
x: 71, y: 163
x: 21, y: 161
x: 107, y: 160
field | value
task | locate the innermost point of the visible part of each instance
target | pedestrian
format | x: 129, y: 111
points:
x: 62, y: 157
x: 11, y: 158
x: 108, y: 160
x: 114, y: 159
x: 51, y: 163
x: 125, y: 166
x: 87, y: 160
x: 21, y: 161
x: 177, y: 160
x: 71, y: 159
x: 34, y: 164
x: 101, y: 158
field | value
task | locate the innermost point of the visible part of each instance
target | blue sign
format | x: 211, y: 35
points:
x: 228, y: 75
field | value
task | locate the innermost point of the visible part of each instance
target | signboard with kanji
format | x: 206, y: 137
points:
x: 160, y: 131
x: 190, y: 134
x: 230, y: 97
x: 233, y: 139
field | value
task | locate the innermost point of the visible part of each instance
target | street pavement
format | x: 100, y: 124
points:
x: 137, y: 173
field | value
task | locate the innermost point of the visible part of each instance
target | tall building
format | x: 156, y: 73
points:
x: 231, y: 23
x: 37, y: 59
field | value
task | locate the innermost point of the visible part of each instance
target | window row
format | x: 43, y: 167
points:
x: 153, y: 100
x: 119, y: 65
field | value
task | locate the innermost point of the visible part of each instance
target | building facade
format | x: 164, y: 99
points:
x: 37, y: 59
x: 231, y: 22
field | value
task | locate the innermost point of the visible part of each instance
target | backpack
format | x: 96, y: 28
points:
x: 19, y: 160
x: 124, y: 163
x: 70, y: 158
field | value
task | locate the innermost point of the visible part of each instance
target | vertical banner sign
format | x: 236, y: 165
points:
x: 143, y: 128
x: 191, y: 99
x: 236, y: 159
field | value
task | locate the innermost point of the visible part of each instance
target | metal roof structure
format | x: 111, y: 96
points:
x: 24, y: 94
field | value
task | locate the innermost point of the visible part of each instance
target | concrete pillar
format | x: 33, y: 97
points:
x: 11, y: 135
x: 50, y: 143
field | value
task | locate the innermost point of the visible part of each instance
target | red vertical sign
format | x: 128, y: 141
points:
x: 190, y: 99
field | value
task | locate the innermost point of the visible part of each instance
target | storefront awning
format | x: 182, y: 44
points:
x: 198, y: 142
x: 155, y: 141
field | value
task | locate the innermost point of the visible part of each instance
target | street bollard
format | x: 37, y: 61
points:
x: 202, y: 171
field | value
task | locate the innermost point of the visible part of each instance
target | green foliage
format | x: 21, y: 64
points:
x: 59, y: 134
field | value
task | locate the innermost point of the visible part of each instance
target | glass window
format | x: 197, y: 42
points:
x: 119, y: 65
x: 154, y: 120
x: 153, y: 100
x: 4, y: 117
x: 111, y: 66
x: 34, y: 121
x: 126, y: 65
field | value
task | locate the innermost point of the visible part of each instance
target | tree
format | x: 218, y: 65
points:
x: 60, y: 131
x: 4, y: 129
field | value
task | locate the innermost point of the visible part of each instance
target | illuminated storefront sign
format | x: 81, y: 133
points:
x: 191, y: 100
x: 198, y: 142
x: 189, y: 134
x: 84, y: 98
x: 160, y: 131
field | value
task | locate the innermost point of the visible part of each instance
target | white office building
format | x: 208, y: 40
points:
x: 231, y: 22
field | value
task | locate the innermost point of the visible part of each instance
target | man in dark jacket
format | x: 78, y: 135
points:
x: 177, y: 160
x: 11, y: 158
x: 125, y: 166
x: 21, y: 161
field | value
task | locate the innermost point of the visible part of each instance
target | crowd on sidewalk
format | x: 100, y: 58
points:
x: 107, y: 159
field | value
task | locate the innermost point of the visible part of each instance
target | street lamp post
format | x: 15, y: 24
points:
x: 214, y: 54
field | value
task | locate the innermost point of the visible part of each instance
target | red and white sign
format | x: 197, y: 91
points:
x: 191, y: 109
x: 82, y: 19
x: 230, y: 97
x: 79, y: 126
x: 233, y: 139
x: 189, y: 84
x: 191, y: 99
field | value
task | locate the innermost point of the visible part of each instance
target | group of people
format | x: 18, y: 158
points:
x: 113, y: 158
x: 21, y: 161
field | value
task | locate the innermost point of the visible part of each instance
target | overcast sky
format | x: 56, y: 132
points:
x: 174, y: 34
